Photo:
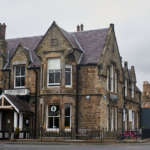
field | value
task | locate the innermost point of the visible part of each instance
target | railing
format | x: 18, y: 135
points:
x: 26, y: 134
x: 130, y: 134
x: 82, y: 134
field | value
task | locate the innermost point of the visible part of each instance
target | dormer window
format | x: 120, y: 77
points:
x: 19, y: 76
x: 54, y: 42
x: 54, y: 72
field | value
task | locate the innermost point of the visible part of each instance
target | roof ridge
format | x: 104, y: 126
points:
x: 88, y: 30
x: 26, y: 37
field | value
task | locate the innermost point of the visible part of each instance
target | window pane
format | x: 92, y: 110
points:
x: 22, y: 81
x: 57, y: 77
x: 56, y: 122
x: 51, y: 77
x: 17, y: 70
x: 67, y: 122
x: 54, y: 64
x: 68, y: 69
x: 17, y: 81
x: 22, y: 70
x: 67, y: 109
x: 68, y: 78
x: 50, y: 122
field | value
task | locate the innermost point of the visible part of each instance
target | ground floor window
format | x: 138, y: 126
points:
x: 67, y: 116
x: 53, y: 117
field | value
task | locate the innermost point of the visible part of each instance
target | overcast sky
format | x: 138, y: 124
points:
x: 131, y: 19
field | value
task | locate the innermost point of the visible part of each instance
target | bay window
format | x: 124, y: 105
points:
x: 19, y: 76
x: 68, y: 75
x: 54, y: 72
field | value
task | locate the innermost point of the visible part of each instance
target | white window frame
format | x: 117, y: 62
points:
x: 55, y: 70
x: 70, y: 67
x: 19, y: 76
x: 68, y: 129
x: 50, y: 129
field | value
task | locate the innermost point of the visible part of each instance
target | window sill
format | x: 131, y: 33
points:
x: 54, y: 130
x: 68, y: 86
x: 19, y: 87
x: 67, y: 129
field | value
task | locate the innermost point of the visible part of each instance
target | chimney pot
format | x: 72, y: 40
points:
x: 2, y: 31
x: 82, y: 27
x: 78, y: 28
x: 126, y: 64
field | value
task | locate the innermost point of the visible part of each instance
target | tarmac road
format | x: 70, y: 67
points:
x: 145, y: 146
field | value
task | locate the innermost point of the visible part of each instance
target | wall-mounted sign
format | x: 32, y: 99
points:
x: 53, y: 108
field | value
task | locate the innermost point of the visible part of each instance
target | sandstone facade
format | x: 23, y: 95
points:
x: 89, y: 94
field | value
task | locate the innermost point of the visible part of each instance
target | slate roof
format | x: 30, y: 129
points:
x: 91, y: 43
x: 22, y: 105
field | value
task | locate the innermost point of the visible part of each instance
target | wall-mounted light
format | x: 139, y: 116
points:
x: 8, y: 121
x: 27, y: 121
x: 88, y: 97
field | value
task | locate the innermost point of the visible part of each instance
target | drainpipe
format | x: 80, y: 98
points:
x: 9, y: 79
x: 36, y: 101
x: 77, y: 96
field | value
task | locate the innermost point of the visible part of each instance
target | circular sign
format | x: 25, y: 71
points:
x: 53, y: 108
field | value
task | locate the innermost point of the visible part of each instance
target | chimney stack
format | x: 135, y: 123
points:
x: 78, y: 28
x: 82, y: 27
x: 2, y: 31
x: 126, y: 64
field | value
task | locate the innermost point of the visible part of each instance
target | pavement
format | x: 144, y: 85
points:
x: 56, y: 146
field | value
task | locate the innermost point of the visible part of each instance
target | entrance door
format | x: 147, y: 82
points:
x: 7, y: 120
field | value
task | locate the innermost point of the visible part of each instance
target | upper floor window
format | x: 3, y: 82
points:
x: 54, y: 42
x: 19, y: 76
x: 116, y: 82
x: 108, y: 79
x: 54, y: 71
x: 126, y: 88
x: 112, y: 78
x: 68, y: 75
x: 132, y: 90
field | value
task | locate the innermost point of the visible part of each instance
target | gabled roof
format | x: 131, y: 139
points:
x: 90, y: 43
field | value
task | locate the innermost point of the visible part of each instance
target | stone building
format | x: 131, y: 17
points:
x: 146, y: 95
x: 64, y: 81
